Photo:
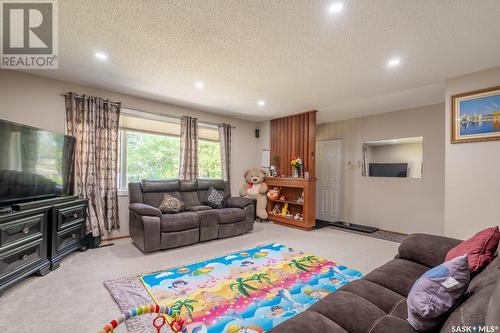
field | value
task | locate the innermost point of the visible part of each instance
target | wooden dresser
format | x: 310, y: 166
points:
x: 293, y: 189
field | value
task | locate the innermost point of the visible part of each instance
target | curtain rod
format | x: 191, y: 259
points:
x: 81, y: 97
x: 138, y: 113
x: 124, y: 110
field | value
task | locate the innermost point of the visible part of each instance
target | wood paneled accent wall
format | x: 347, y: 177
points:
x: 291, y: 137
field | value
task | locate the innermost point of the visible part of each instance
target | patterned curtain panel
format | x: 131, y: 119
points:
x: 94, y: 123
x: 225, y: 149
x: 188, y: 168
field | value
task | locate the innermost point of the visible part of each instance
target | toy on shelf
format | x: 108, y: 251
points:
x: 276, y: 210
x: 274, y: 193
x: 298, y: 217
x: 176, y: 325
x: 282, y: 198
x: 301, y: 199
x: 284, y: 210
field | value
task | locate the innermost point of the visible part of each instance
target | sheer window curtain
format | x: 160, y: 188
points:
x: 93, y: 121
x: 225, y: 150
x: 188, y: 168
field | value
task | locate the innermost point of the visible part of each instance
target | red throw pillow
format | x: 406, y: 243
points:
x: 480, y: 248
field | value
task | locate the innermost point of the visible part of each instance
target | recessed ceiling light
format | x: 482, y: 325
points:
x: 101, y: 56
x: 336, y: 7
x: 393, y: 62
x: 199, y: 85
x: 261, y: 103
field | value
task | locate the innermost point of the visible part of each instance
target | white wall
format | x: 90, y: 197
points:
x: 398, y: 204
x: 265, y: 137
x: 37, y: 101
x: 472, y: 186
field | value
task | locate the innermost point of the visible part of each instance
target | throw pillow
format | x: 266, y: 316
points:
x: 480, y: 248
x: 170, y: 204
x: 436, y: 292
x: 214, y: 198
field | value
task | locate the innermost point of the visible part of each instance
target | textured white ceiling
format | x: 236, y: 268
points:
x: 294, y: 54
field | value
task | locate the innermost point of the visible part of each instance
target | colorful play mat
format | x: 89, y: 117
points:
x: 249, y: 291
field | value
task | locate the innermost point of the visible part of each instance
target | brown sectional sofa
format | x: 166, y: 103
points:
x: 377, y: 303
x: 151, y: 230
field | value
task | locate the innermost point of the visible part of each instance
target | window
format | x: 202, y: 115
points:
x: 149, y: 148
x: 209, y: 163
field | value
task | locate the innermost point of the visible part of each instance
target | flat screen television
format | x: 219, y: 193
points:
x: 388, y: 170
x: 35, y: 164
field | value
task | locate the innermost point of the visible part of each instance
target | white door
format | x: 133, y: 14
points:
x: 328, y: 183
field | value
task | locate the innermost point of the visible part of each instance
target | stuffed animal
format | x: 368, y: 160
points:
x: 255, y: 188
x: 274, y: 193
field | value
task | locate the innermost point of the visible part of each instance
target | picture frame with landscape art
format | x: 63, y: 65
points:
x: 475, y: 116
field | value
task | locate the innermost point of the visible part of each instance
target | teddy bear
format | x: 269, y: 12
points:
x: 255, y: 188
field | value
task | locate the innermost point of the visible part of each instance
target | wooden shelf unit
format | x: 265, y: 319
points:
x: 292, y: 188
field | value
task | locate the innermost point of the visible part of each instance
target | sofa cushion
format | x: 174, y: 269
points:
x: 471, y: 312
x: 205, y: 184
x: 382, y: 297
x: 160, y: 185
x: 198, y: 208
x: 398, y: 275
x: 190, y: 198
x: 436, y: 293
x: 230, y: 215
x: 428, y: 250
x: 179, y: 222
x: 153, y: 198
x: 145, y: 210
x: 480, y: 248
x: 488, y: 276
x: 308, y: 321
x: 188, y: 185
x: 352, y: 312
x: 493, y: 313
x: 170, y: 204
x: 391, y: 324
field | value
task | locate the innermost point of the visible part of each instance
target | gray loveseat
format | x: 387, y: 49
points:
x: 377, y: 303
x: 151, y: 230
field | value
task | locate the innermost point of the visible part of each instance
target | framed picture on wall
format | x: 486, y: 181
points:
x: 475, y: 116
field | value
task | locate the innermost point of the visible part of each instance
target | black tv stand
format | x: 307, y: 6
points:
x: 41, y: 203
x: 36, y: 235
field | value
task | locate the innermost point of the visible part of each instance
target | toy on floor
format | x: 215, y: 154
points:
x: 176, y: 325
x: 255, y: 188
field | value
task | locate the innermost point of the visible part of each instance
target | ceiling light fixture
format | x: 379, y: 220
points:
x: 199, y: 85
x: 261, y: 103
x: 393, y: 62
x: 101, y: 56
x: 336, y: 7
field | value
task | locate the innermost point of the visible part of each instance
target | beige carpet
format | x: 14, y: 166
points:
x: 74, y: 299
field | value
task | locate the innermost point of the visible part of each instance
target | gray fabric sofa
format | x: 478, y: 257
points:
x: 151, y: 230
x: 377, y: 303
